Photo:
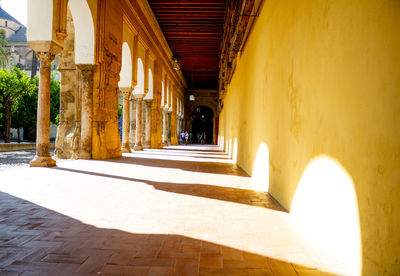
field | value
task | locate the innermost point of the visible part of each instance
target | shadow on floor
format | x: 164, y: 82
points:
x: 235, y: 195
x: 204, y: 167
x: 40, y: 241
x: 196, y: 148
x: 186, y: 154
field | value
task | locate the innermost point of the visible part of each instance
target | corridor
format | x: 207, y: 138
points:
x: 177, y: 211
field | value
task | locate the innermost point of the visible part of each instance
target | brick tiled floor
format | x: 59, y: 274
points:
x: 176, y: 211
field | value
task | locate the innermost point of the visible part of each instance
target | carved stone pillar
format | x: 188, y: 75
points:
x: 126, y: 91
x: 169, y: 127
x: 87, y: 111
x: 139, y: 129
x: 147, y: 140
x: 42, y: 158
x: 132, y: 129
x: 165, y: 135
x: 69, y: 97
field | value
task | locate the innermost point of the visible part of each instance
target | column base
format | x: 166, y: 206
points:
x: 126, y: 150
x: 147, y: 145
x: 84, y: 155
x: 165, y: 144
x: 138, y: 147
x: 43, y: 161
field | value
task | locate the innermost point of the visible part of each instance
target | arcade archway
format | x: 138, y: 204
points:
x: 203, y: 123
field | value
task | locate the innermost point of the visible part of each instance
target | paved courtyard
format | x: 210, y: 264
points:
x: 178, y: 211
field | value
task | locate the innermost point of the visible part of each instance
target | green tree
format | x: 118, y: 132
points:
x: 120, y: 110
x: 25, y: 109
x: 13, y: 84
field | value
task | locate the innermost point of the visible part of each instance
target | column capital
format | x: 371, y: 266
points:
x: 138, y: 96
x: 126, y: 92
x: 45, y: 58
x: 86, y: 67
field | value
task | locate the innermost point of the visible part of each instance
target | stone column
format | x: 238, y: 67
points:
x: 147, y: 141
x: 68, y: 133
x: 165, y: 135
x: 139, y: 131
x: 169, y: 127
x: 126, y: 91
x: 132, y: 129
x: 87, y: 111
x: 42, y: 158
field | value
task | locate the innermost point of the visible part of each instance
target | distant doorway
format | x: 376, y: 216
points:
x: 202, y: 124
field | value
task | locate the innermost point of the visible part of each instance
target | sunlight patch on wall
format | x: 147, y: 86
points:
x: 221, y: 142
x: 260, y: 175
x: 229, y: 148
x: 235, y: 151
x: 325, y: 207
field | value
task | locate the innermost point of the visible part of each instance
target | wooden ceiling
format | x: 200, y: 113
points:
x: 193, y: 29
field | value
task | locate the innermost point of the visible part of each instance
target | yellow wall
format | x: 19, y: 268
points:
x: 322, y: 78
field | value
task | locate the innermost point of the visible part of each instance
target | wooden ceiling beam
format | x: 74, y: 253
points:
x: 194, y: 29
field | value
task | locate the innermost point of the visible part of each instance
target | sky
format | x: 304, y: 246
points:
x: 16, y: 8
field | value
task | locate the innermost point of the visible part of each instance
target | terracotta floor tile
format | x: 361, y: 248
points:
x: 69, y: 259
x: 186, y: 267
x: 281, y: 268
x: 122, y: 258
x: 161, y: 271
x: 260, y: 272
x: 232, y: 254
x: 223, y: 271
x: 124, y: 270
x: 210, y: 260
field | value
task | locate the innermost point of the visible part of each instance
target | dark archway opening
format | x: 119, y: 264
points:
x: 202, y: 123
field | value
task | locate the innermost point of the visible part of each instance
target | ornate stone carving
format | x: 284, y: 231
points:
x: 139, y: 130
x: 126, y: 92
x: 86, y: 111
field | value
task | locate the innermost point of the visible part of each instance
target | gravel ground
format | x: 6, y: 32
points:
x: 17, y: 159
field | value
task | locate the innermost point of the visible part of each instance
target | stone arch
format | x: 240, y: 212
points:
x: 209, y: 104
x: 168, y: 94
x: 162, y: 93
x: 165, y: 95
x: 149, y: 95
x: 139, y: 88
x: 84, y: 34
x: 202, y: 121
x: 126, y: 68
